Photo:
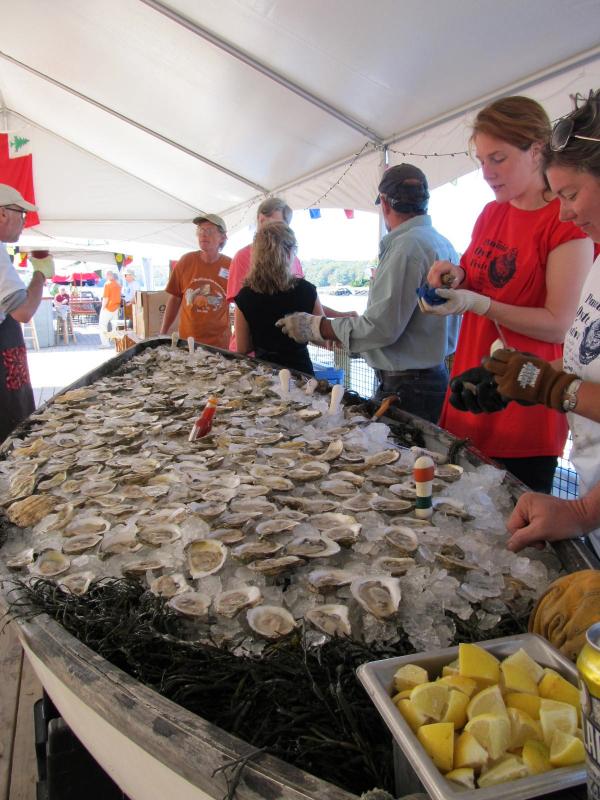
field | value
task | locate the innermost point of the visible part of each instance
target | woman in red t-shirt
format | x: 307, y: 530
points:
x: 520, y: 280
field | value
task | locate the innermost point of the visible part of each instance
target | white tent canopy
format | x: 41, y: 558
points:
x: 140, y: 113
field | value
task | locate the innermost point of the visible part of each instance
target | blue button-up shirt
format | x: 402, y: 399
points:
x: 393, y: 333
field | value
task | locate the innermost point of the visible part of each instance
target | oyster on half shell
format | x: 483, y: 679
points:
x: 169, y: 585
x: 272, y: 622
x: 312, y: 547
x: 332, y: 619
x: 76, y: 584
x: 205, y: 556
x: 50, y: 563
x: 328, y: 580
x: 190, y: 604
x: 229, y: 603
x: 379, y: 596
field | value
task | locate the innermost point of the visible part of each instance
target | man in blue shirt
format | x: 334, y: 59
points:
x: 406, y: 351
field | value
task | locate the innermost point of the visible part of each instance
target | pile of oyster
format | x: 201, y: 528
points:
x: 290, y: 509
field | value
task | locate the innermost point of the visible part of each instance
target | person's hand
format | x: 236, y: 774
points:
x: 566, y: 610
x: 445, y: 274
x: 528, y: 379
x: 475, y: 390
x: 541, y: 517
x: 302, y: 327
x: 458, y: 301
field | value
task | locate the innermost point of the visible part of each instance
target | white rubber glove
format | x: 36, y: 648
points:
x: 457, y: 302
x: 302, y: 327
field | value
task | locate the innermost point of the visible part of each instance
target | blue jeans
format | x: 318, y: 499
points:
x: 420, y: 391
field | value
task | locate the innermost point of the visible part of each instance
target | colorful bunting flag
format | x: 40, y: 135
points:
x: 349, y: 212
x: 122, y: 260
x: 16, y: 170
x: 315, y: 213
x: 22, y: 260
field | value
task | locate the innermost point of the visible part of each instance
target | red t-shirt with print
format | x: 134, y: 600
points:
x: 506, y: 261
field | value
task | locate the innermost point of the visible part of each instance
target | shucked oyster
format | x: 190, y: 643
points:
x: 332, y: 619
x: 272, y: 622
x: 252, y: 550
x: 275, y: 566
x: 312, y: 547
x: 328, y: 580
x: 190, y: 604
x: 169, y: 585
x: 81, y: 543
x: 379, y: 596
x: 402, y: 538
x: 157, y: 535
x: 228, y: 604
x: 76, y: 584
x: 50, y: 563
x: 205, y: 556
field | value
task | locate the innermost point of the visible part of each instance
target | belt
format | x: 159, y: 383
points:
x: 393, y: 373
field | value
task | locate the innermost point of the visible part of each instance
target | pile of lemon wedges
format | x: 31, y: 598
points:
x: 485, y: 721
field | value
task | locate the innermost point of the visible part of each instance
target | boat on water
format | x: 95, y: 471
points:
x: 150, y: 746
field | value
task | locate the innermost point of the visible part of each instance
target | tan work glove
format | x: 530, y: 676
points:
x: 566, y: 610
x: 528, y: 379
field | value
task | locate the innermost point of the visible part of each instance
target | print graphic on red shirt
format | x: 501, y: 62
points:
x: 15, y: 364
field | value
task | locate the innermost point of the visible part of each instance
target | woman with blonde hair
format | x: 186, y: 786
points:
x: 519, y: 280
x: 270, y: 291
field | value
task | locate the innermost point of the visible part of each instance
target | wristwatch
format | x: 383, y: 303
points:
x: 569, y: 398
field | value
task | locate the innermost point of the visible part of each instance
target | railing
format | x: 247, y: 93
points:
x: 359, y: 377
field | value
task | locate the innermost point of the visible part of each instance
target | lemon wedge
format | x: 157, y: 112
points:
x: 456, y: 710
x: 522, y: 728
x: 413, y: 716
x: 566, y: 750
x: 510, y: 768
x: 409, y: 676
x: 528, y: 703
x: 430, y: 699
x: 475, y: 662
x: 463, y: 776
x: 524, y: 662
x: 465, y: 685
x: 488, y: 701
x: 554, y: 687
x: 536, y: 757
x: 492, y: 731
x: 438, y: 741
x: 468, y: 752
x: 557, y: 716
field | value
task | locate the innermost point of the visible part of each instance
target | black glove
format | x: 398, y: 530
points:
x: 475, y: 390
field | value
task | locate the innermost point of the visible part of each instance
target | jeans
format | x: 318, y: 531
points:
x: 536, y: 472
x: 106, y: 318
x: 420, y: 391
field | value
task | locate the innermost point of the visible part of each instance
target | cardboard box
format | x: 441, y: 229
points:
x: 148, y: 312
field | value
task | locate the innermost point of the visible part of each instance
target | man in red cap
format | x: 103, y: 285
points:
x: 18, y: 304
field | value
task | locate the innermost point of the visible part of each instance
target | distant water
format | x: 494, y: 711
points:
x: 344, y: 302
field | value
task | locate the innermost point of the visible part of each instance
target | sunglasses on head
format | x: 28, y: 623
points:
x: 563, y: 132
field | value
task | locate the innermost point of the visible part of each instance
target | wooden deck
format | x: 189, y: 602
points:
x: 19, y: 690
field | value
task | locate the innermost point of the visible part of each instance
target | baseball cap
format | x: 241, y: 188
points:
x: 11, y: 197
x: 129, y: 271
x: 406, y: 184
x: 211, y: 218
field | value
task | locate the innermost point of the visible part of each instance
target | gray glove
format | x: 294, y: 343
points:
x: 302, y: 327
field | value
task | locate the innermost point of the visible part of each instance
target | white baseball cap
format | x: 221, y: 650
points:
x: 11, y: 197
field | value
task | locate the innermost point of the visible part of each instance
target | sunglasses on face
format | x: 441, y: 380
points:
x: 563, y: 132
x: 17, y: 209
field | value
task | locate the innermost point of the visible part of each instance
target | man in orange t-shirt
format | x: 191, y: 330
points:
x: 111, y: 301
x: 198, y: 287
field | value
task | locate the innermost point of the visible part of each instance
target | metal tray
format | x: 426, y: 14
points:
x: 377, y: 676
